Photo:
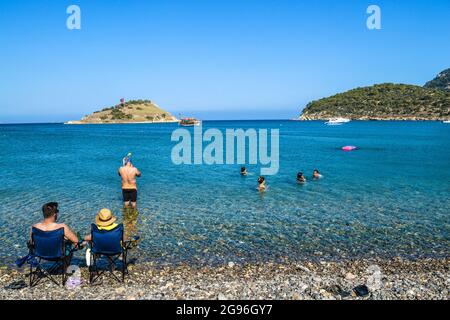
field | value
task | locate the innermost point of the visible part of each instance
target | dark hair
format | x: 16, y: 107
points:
x: 315, y: 170
x: 299, y: 174
x: 261, y: 179
x: 243, y: 169
x: 50, y: 209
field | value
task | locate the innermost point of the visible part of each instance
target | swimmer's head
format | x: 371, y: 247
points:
x: 300, y: 175
x: 261, y: 179
x: 243, y: 169
x: 127, y: 160
x: 316, y: 171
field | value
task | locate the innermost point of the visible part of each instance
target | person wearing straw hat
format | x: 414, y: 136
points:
x: 104, y: 220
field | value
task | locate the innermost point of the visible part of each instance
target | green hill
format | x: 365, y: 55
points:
x: 441, y: 82
x: 382, y: 102
x: 132, y: 111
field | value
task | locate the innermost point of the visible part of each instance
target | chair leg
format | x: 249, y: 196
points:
x: 124, y: 265
x: 91, y: 269
x: 31, y: 275
x: 64, y: 272
x: 48, y: 273
x: 39, y: 272
x: 95, y: 273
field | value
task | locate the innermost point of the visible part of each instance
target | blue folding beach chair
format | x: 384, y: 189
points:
x: 48, y: 247
x: 109, y: 244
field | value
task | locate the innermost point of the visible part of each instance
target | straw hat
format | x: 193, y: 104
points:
x: 104, y: 218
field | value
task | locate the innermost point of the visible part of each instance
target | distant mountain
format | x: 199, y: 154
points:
x: 132, y: 111
x: 385, y: 102
x: 441, y: 82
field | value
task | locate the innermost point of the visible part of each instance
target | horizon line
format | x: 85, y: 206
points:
x: 62, y: 122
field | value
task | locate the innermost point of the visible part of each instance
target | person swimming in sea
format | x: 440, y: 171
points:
x: 301, y: 178
x: 316, y: 174
x: 244, y: 171
x: 262, y: 184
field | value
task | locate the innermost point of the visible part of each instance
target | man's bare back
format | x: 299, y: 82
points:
x: 128, y: 173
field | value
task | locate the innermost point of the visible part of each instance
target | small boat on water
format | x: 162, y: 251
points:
x: 446, y: 121
x: 337, y: 121
x: 189, y: 122
x: 349, y: 148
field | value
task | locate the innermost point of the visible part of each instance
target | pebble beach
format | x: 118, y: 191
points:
x: 423, y: 279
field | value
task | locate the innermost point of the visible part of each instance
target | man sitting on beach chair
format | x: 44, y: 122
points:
x: 50, y: 241
x: 50, y: 212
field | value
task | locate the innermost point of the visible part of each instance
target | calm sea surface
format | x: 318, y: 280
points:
x: 390, y: 197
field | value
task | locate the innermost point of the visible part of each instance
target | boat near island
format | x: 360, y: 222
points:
x: 446, y: 121
x: 189, y: 122
x: 337, y: 121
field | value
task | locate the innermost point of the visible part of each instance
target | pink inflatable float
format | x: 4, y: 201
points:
x: 349, y: 148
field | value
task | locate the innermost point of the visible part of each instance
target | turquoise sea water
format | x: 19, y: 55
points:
x: 390, y: 197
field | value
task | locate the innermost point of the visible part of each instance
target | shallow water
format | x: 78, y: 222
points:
x: 390, y: 197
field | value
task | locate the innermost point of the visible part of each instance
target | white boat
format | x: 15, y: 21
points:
x: 337, y: 121
x: 446, y: 121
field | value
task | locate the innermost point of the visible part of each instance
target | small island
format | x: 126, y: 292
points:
x: 133, y: 111
x: 386, y: 101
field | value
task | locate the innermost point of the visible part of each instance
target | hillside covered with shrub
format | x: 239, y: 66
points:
x: 386, y: 101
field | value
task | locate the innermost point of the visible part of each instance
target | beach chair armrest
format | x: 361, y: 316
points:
x: 128, y: 244
x: 79, y: 245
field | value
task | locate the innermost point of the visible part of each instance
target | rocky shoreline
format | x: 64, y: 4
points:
x: 384, y: 279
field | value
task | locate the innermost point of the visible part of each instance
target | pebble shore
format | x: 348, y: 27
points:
x: 385, y: 279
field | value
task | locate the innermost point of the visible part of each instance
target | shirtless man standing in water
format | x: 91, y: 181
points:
x: 128, y: 173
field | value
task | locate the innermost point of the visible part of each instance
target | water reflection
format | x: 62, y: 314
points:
x: 130, y: 222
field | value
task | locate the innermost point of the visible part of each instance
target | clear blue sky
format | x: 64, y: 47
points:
x: 222, y: 59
